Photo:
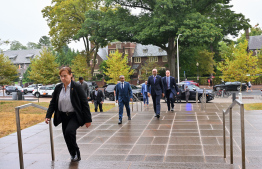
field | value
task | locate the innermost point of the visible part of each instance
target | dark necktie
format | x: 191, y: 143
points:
x: 122, y: 85
x: 154, y: 79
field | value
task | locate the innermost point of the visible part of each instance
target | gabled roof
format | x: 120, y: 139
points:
x: 22, y: 56
x: 148, y: 50
x: 103, y: 52
x: 255, y: 42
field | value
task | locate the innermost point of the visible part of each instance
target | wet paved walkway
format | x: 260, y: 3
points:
x: 185, y: 138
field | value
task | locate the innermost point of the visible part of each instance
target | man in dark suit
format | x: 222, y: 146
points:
x: 97, y: 98
x: 123, y: 96
x: 155, y: 83
x: 170, y: 89
x: 84, y: 86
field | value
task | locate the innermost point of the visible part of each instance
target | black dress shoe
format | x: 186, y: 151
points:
x: 120, y: 122
x: 158, y: 116
x: 76, y: 157
x: 129, y: 118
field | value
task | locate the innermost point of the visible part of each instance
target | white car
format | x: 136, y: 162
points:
x: 44, y: 91
x: 32, y: 87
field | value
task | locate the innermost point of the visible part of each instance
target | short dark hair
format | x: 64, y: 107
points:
x: 81, y: 78
x: 96, y: 86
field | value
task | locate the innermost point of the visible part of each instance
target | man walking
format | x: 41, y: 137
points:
x: 97, y: 97
x: 123, y: 96
x: 144, y: 93
x: 171, y: 89
x: 84, y: 86
x: 155, y: 82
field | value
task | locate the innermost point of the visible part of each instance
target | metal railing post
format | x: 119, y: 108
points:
x: 243, y: 136
x: 224, y: 134
x: 19, y: 139
x: 231, y: 135
x: 51, y: 140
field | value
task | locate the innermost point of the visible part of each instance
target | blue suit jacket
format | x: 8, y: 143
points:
x: 123, y: 94
x: 173, y: 86
x: 157, y: 87
x: 144, y: 88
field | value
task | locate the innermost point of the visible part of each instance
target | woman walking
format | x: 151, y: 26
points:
x: 69, y: 102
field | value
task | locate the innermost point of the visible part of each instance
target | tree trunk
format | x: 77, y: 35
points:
x: 171, y: 56
x: 94, y: 61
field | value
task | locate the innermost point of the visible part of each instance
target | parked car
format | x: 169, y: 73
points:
x: 10, y: 89
x: 31, y: 87
x: 230, y: 86
x: 193, y: 89
x: 189, y: 82
x: 44, y: 91
x: 109, y: 92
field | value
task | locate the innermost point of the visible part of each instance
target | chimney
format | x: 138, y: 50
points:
x: 247, y: 34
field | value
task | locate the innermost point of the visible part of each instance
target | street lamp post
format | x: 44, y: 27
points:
x: 178, y: 60
x: 197, y: 64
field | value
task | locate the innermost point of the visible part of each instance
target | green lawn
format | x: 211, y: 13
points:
x: 253, y: 106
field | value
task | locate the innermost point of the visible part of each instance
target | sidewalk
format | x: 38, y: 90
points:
x: 185, y: 138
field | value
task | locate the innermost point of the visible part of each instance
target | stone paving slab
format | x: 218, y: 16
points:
x: 185, y: 138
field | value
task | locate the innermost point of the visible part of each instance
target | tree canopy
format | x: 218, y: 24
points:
x: 80, y: 67
x: 16, y: 45
x: 8, y: 71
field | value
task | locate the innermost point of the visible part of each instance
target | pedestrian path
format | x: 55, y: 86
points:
x: 185, y: 138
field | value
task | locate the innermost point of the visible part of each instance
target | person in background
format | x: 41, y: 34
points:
x: 97, y: 98
x: 84, y: 86
x: 144, y: 91
x: 70, y: 105
x: 249, y: 86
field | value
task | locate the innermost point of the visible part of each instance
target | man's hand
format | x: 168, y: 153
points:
x: 142, y: 93
x: 116, y: 101
x: 163, y: 94
x: 88, y: 98
x: 148, y: 94
x: 177, y: 93
x: 88, y: 124
x: 131, y: 99
x: 102, y: 102
x: 47, y: 120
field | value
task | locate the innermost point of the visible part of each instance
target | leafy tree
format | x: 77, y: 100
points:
x: 26, y: 74
x: 207, y: 63
x: 160, y: 22
x: 243, y: 67
x: 255, y: 31
x: 32, y: 45
x: 103, y: 68
x: 44, y: 41
x: 8, y: 71
x: 16, y: 45
x: 146, y: 69
x: 44, y: 69
x: 226, y: 50
x: 80, y: 67
x: 65, y: 56
x: 117, y: 66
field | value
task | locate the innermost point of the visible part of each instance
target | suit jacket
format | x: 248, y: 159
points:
x: 123, y: 94
x: 157, y: 87
x: 173, y: 86
x: 79, y: 103
x: 144, y: 86
x: 85, y: 88
x: 99, y: 97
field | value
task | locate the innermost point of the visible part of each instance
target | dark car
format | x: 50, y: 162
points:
x: 193, y: 89
x: 10, y: 89
x: 109, y: 92
x: 230, y: 86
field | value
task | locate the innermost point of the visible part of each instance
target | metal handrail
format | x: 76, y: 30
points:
x: 242, y: 120
x: 137, y: 100
x: 19, y: 139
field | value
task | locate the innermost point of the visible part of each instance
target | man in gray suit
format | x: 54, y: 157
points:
x: 84, y: 86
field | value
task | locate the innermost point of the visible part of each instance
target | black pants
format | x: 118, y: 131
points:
x: 169, y: 100
x: 69, y: 127
x: 156, y: 103
x: 97, y: 103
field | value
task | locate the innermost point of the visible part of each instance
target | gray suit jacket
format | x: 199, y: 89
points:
x: 85, y: 88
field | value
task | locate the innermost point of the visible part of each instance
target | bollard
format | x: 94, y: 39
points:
x: 233, y: 97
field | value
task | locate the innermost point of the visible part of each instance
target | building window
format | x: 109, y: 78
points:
x: 118, y: 46
x: 132, y: 50
x: 96, y: 61
x: 153, y: 59
x: 137, y: 60
x: 126, y: 51
x: 164, y: 58
x: 131, y: 59
x: 145, y: 50
x: 112, y: 51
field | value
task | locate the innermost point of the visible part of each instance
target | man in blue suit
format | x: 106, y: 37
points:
x: 155, y: 82
x: 144, y: 91
x: 123, y: 96
x: 171, y: 89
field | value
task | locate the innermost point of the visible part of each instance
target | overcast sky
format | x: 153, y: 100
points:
x: 22, y: 20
